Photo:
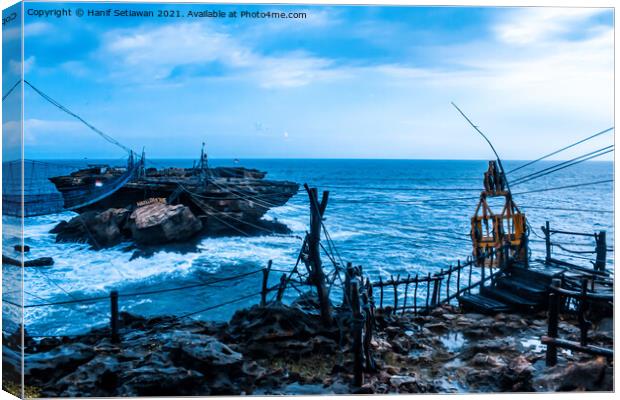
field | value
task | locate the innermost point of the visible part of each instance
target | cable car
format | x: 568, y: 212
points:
x: 491, y: 231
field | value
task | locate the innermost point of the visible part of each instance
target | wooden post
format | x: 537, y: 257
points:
x: 552, y: 329
x: 415, y: 296
x: 317, y: 210
x: 601, y: 251
x: 381, y: 294
x: 458, y: 276
x: 358, y: 377
x: 448, y: 282
x: 264, y: 290
x: 114, y: 316
x: 471, y: 265
x: 348, y: 273
x: 368, y: 306
x: 395, y: 285
x: 583, y: 307
x: 406, y: 290
x: 546, y: 231
x: 435, y: 290
x: 428, y: 289
x: 281, y: 288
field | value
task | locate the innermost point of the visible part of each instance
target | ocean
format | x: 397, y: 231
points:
x: 390, y: 216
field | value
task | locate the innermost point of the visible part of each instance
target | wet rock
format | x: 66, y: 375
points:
x: 485, y: 360
x: 365, y: 389
x: 21, y: 248
x: 60, y: 361
x: 37, y: 262
x: 590, y: 375
x: 279, y: 329
x: 99, y: 229
x: 517, y: 376
x: 399, y: 380
x: 162, y: 223
x: 98, y: 378
x: 159, y: 381
x: 200, y: 352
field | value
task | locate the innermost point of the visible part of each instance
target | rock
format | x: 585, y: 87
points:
x: 399, y: 380
x: 588, y: 376
x: 62, y: 360
x: 22, y: 248
x: 365, y: 389
x: 485, y: 360
x: 437, y: 327
x: 98, y: 378
x: 200, y: 352
x: 165, y: 380
x: 517, y: 376
x: 279, y: 329
x: 162, y: 223
x: 37, y: 262
x: 100, y: 230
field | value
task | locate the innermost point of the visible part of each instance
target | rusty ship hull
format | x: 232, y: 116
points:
x: 227, y: 199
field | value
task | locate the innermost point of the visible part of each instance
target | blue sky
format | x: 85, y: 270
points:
x: 347, y: 82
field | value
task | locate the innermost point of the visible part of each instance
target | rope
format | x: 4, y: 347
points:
x: 357, y: 188
x: 573, y: 251
x: 221, y: 304
x: 11, y: 89
x: 100, y: 298
x: 558, y: 151
x: 568, y: 209
x: 566, y: 187
x: 565, y: 164
x: 206, y: 283
x: 107, y: 137
x: 194, y: 195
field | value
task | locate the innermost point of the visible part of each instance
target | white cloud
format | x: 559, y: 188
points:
x: 155, y: 53
x: 530, y: 25
x: 38, y: 28
x: 11, y: 131
x: 44, y: 130
x: 16, y: 65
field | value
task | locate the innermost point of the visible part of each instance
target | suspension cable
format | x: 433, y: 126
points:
x: 560, y: 150
x: 11, y: 89
x: 107, y: 137
x: 567, y: 186
x: 565, y: 164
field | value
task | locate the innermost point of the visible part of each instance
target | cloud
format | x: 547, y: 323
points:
x: 155, y: 53
x: 531, y: 25
x: 38, y: 28
x: 37, y: 131
x: 16, y: 65
x: 11, y: 130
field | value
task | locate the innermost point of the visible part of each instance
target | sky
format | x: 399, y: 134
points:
x: 345, y: 82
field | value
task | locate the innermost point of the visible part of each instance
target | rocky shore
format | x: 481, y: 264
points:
x: 148, y: 225
x: 279, y: 349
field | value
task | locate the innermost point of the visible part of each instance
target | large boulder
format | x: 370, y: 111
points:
x: 159, y: 223
x: 102, y: 229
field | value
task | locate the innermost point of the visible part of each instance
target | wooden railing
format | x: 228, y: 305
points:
x: 439, y: 288
x: 584, y: 299
x: 599, y: 250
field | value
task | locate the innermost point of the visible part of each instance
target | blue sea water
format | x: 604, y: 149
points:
x: 390, y: 216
